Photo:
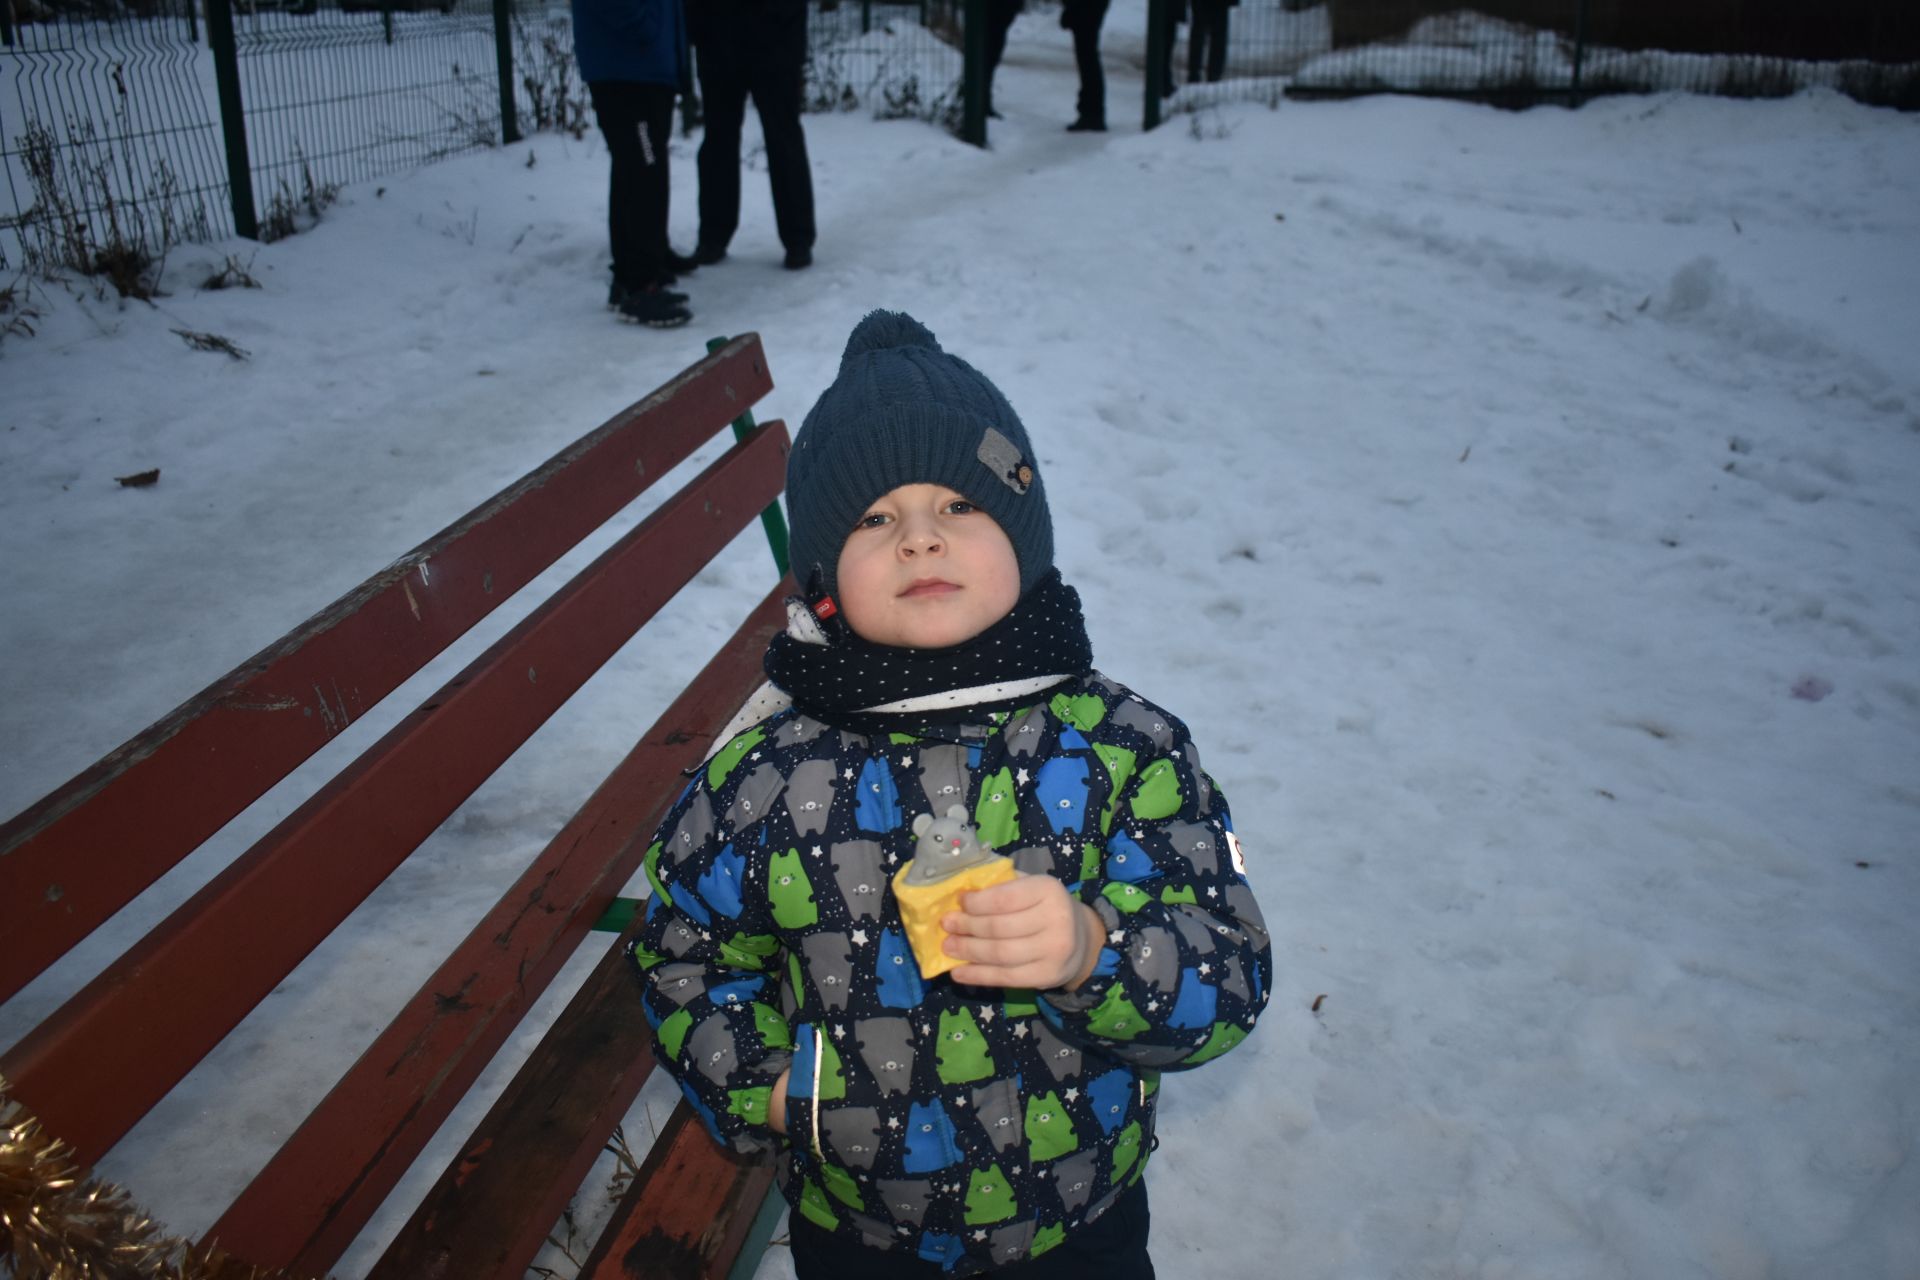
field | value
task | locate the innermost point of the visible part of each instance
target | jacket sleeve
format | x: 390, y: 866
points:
x: 709, y: 962
x: 1186, y: 965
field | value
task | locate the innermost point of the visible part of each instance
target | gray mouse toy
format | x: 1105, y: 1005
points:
x: 945, y: 846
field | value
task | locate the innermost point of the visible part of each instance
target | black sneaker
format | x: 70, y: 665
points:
x: 706, y: 255
x: 617, y: 293
x: 1087, y: 126
x: 655, y: 307
x: 680, y: 264
x: 799, y: 259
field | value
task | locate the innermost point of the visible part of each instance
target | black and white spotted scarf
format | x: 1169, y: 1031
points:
x: 864, y: 687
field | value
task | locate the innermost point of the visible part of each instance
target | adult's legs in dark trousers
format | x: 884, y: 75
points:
x: 1092, y: 103
x: 764, y: 58
x: 1209, y: 32
x: 1084, y: 21
x: 636, y: 120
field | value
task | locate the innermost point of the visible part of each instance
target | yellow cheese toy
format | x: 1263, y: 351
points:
x: 948, y: 860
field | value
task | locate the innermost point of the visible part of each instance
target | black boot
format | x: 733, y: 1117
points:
x: 655, y: 307
x: 617, y: 294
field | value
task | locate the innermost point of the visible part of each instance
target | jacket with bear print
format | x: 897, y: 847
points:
x: 972, y: 1126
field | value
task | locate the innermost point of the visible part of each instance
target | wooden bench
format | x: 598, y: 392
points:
x: 76, y: 857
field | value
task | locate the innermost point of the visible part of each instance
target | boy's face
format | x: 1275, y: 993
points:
x: 925, y: 569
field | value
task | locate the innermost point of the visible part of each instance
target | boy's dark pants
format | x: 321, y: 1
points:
x: 1113, y: 1248
x: 636, y: 120
x: 757, y: 48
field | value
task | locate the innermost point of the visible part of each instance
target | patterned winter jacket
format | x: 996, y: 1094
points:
x: 973, y: 1126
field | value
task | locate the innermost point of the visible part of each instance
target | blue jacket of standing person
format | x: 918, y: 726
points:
x: 639, y: 41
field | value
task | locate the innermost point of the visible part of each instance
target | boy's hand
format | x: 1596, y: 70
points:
x: 1028, y: 932
x: 777, y: 1104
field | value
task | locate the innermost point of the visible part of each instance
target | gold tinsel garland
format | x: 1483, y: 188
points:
x: 57, y: 1223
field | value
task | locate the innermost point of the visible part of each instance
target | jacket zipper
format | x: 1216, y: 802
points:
x: 813, y: 1115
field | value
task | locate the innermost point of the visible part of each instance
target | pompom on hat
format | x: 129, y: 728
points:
x: 902, y: 411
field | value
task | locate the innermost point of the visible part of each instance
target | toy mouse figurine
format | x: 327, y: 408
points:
x: 948, y: 860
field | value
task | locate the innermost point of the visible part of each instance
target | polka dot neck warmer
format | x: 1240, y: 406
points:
x: 864, y: 687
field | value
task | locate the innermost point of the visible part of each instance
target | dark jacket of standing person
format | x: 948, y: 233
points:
x: 757, y: 49
x: 637, y: 41
x: 630, y: 54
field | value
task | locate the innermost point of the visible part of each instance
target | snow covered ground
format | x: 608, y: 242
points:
x: 1519, y: 507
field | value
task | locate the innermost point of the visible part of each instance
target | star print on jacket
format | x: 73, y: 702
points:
x: 971, y: 1126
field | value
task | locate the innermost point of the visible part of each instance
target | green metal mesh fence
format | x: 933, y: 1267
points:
x: 893, y: 60
x: 1522, y: 51
x: 108, y: 134
x: 112, y: 138
x: 111, y: 129
x: 341, y: 94
x: 111, y: 132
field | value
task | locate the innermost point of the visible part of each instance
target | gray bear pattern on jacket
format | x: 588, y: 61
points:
x: 971, y: 1126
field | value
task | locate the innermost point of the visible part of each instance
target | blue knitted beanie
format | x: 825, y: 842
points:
x: 902, y: 411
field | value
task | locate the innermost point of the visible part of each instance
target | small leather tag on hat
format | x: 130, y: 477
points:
x: 1001, y: 457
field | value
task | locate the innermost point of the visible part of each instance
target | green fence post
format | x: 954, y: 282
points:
x: 1156, y: 62
x: 503, y: 62
x: 973, y: 80
x: 620, y: 913
x: 233, y: 123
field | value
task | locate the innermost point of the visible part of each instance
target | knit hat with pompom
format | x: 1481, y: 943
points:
x: 902, y: 411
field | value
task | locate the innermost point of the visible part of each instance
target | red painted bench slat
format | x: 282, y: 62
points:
x: 687, y: 1213
x: 181, y: 989
x: 104, y: 838
x: 310, y: 1202
x: 491, y: 1211
x: 77, y: 856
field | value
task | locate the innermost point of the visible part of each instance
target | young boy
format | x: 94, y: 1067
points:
x: 997, y: 1116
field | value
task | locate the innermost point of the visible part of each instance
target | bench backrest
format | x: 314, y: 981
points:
x: 79, y: 855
